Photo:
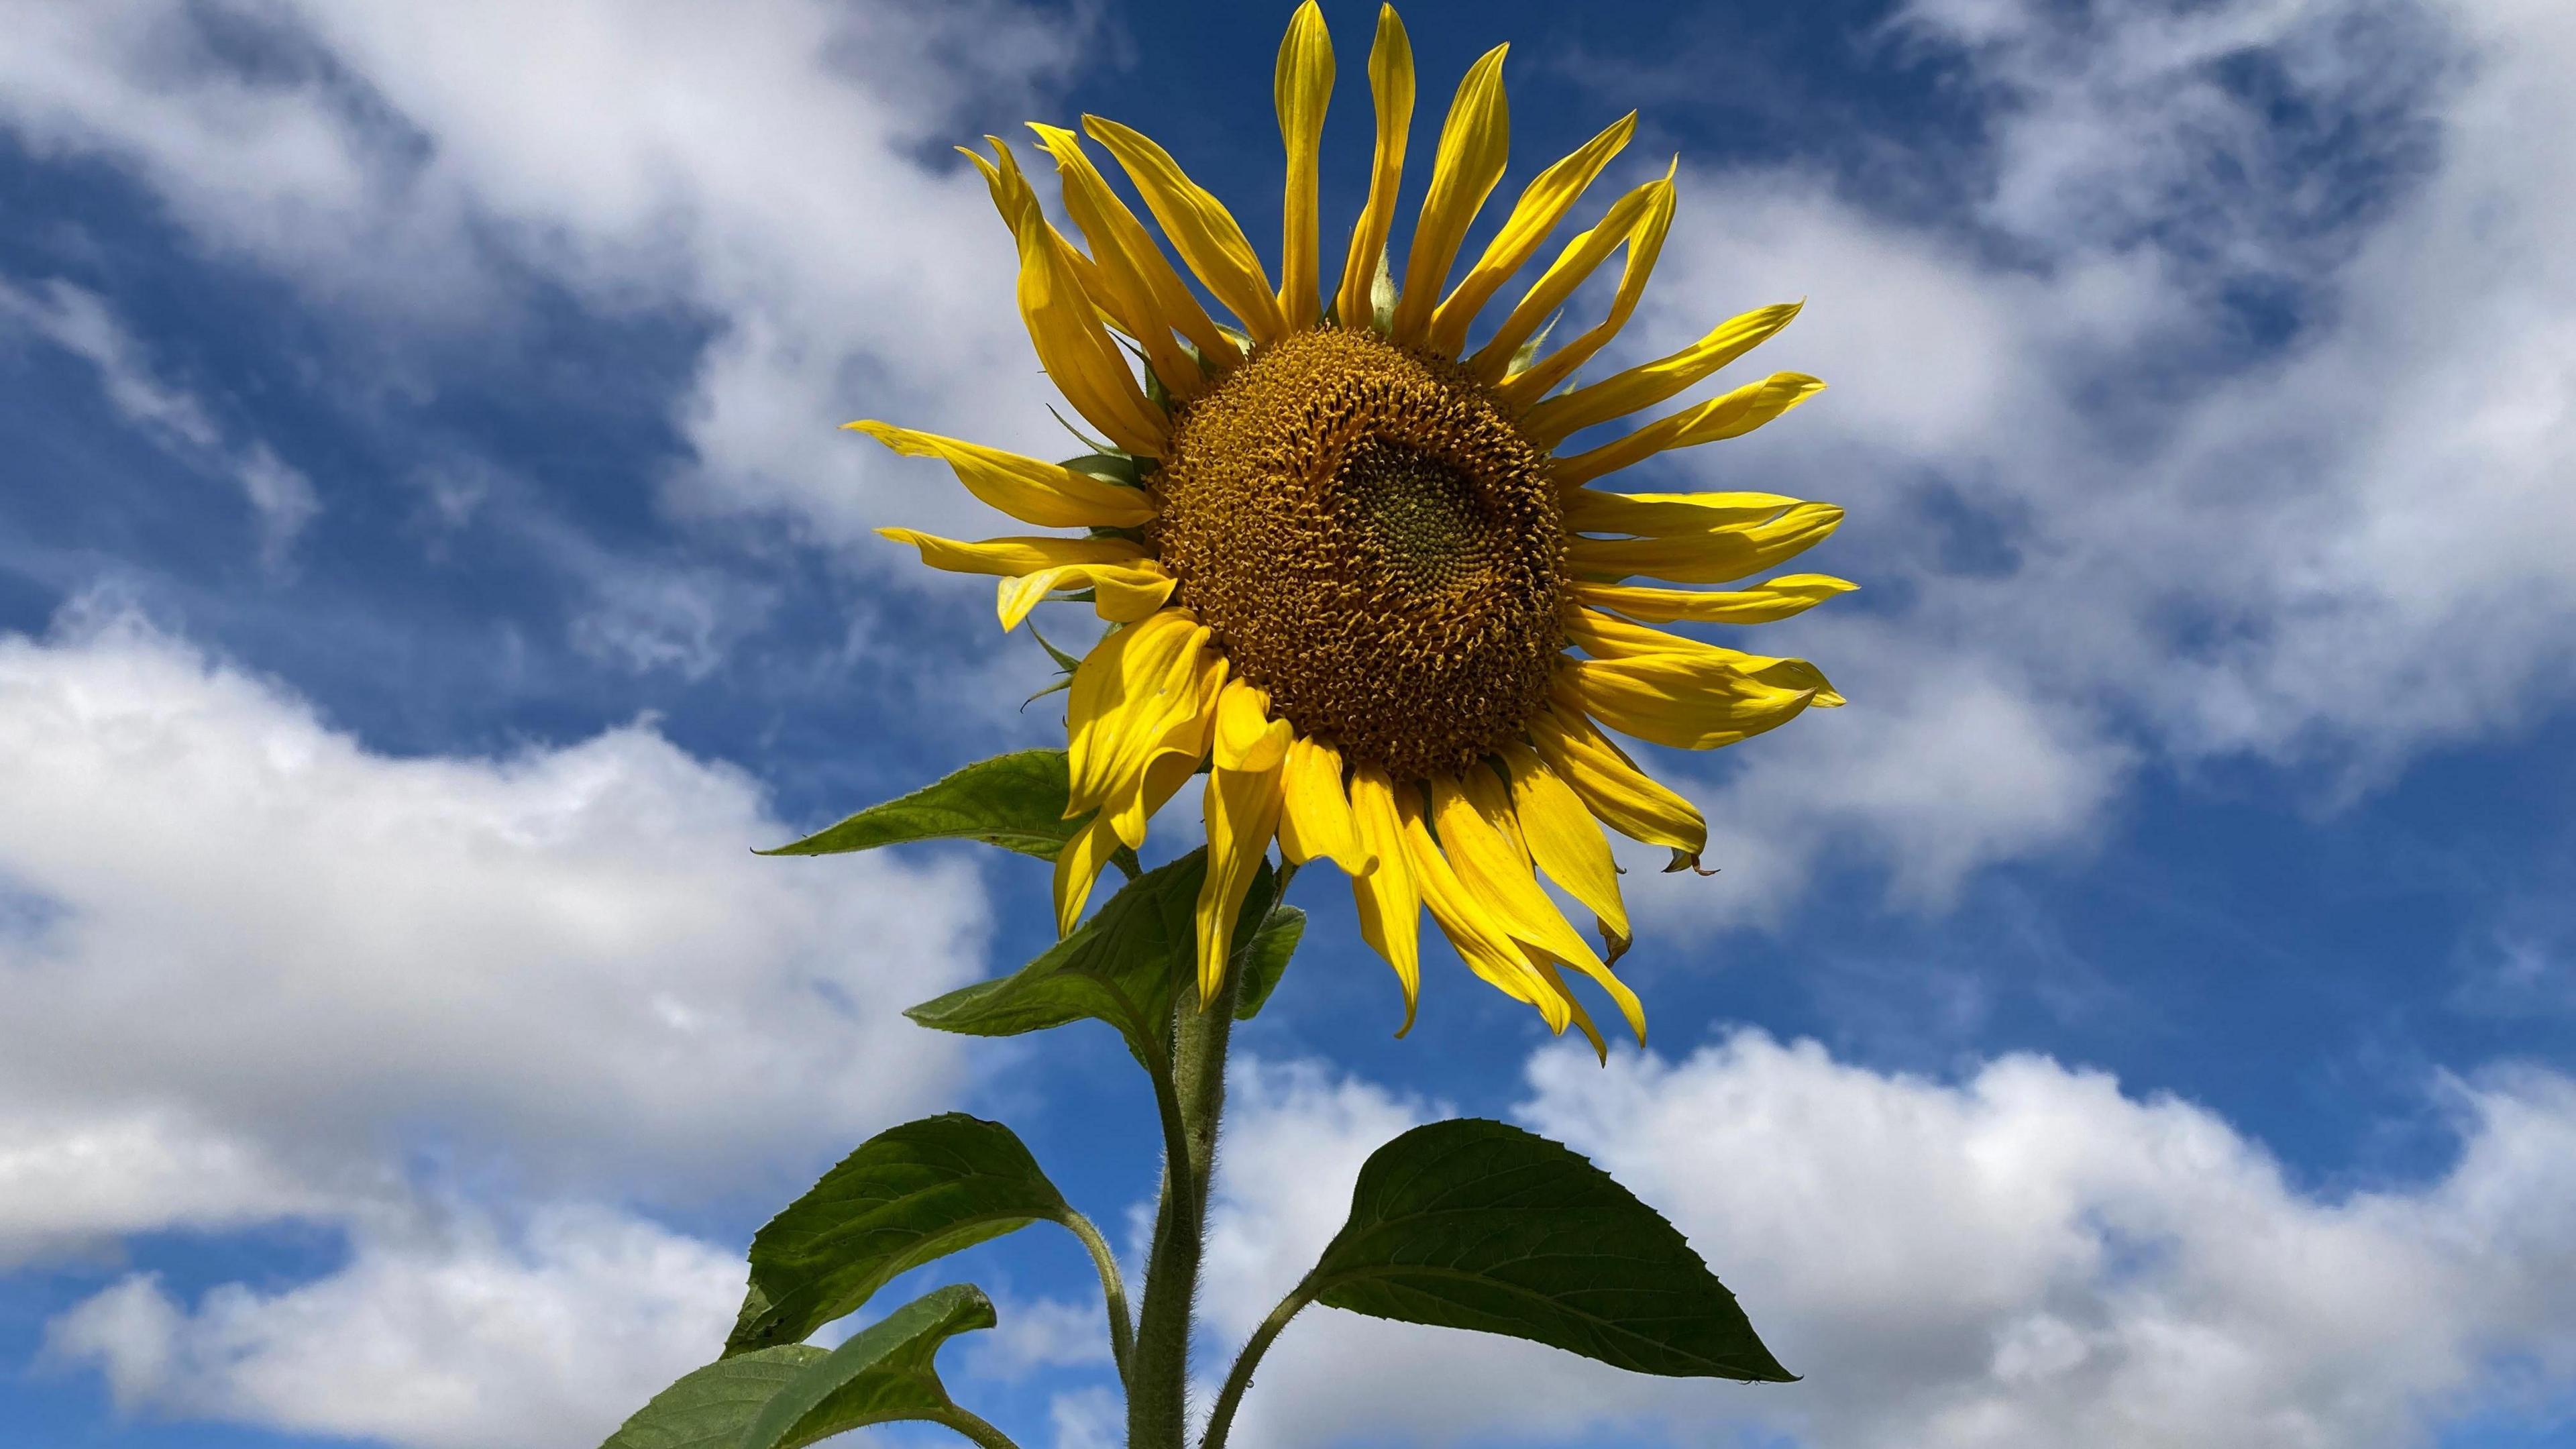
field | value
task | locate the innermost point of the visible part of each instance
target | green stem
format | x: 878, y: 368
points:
x: 966, y: 1422
x: 1158, y: 1381
x: 1239, y: 1378
x: 1113, y: 1290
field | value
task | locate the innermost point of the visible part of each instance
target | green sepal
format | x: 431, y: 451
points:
x: 1480, y: 1225
x: 1124, y: 966
x: 908, y: 1195
x: 885, y: 1372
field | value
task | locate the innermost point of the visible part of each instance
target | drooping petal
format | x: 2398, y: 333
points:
x: 1316, y: 822
x: 1131, y: 259
x: 1499, y: 884
x: 1480, y: 940
x: 1611, y: 786
x: 1049, y: 495
x: 1731, y: 416
x: 1636, y: 221
x: 1604, y: 636
x: 1781, y: 598
x: 1564, y: 838
x: 1176, y: 753
x: 1064, y: 324
x: 1558, y: 418
x: 1126, y: 694
x: 1543, y: 203
x: 1474, y: 141
x: 1242, y: 806
x: 1012, y: 557
x: 1201, y: 229
x: 1389, y: 901
x: 1121, y: 593
x: 1078, y: 866
x: 1711, y: 557
x: 1685, y: 701
x: 1391, y: 87
x: 1302, y: 87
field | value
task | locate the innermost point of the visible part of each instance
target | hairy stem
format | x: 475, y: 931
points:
x: 1239, y: 1378
x: 1159, y: 1374
x: 1113, y: 1290
x: 966, y: 1422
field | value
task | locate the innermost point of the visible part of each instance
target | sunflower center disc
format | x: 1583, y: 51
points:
x: 1373, y: 543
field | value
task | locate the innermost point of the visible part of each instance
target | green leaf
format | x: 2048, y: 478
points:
x: 907, y: 1195
x: 1015, y: 801
x: 1264, y: 958
x: 1112, y: 467
x: 882, y: 1373
x: 1475, y: 1224
x: 1124, y: 966
x: 710, y: 1407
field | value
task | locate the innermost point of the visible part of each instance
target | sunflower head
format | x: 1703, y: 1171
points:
x: 1350, y: 568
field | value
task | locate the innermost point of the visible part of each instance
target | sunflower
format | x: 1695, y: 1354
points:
x: 1343, y: 556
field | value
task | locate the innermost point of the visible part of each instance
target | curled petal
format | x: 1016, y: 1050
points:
x: 1712, y: 556
x: 1317, y: 821
x: 1731, y: 416
x: 1781, y: 598
x: 1049, y: 495
x: 1121, y: 593
x: 1389, y: 899
x: 1474, y: 140
x: 1543, y: 203
x: 1616, y: 396
x: 1012, y: 557
x: 1202, y: 230
x: 1611, y: 786
x: 1391, y: 87
x: 1302, y: 88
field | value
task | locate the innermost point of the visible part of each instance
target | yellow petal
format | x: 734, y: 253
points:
x: 1558, y: 418
x: 1500, y: 886
x: 1077, y: 867
x: 1564, y: 839
x: 1685, y: 701
x: 1064, y: 325
x: 1242, y: 815
x: 1787, y: 595
x: 1301, y: 88
x: 1390, y: 904
x: 1317, y: 819
x: 1012, y: 557
x: 1593, y: 510
x: 1121, y: 593
x: 1605, y: 637
x: 1176, y: 753
x: 1126, y: 694
x: 1247, y: 738
x: 1731, y: 416
x: 1611, y: 786
x: 1049, y: 495
x: 1712, y: 557
x: 1481, y: 941
x: 1543, y: 203
x: 1391, y: 88
x: 1201, y: 229
x: 1582, y: 1018
x: 1473, y: 142
x: 1636, y: 221
x: 1130, y: 259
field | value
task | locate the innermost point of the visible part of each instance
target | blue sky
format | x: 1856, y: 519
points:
x: 2144, y: 1016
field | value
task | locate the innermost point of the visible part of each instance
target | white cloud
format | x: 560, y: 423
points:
x: 80, y: 322
x: 2023, y: 1256
x: 778, y: 170
x: 2097, y: 527
x: 446, y: 1333
x: 264, y: 945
